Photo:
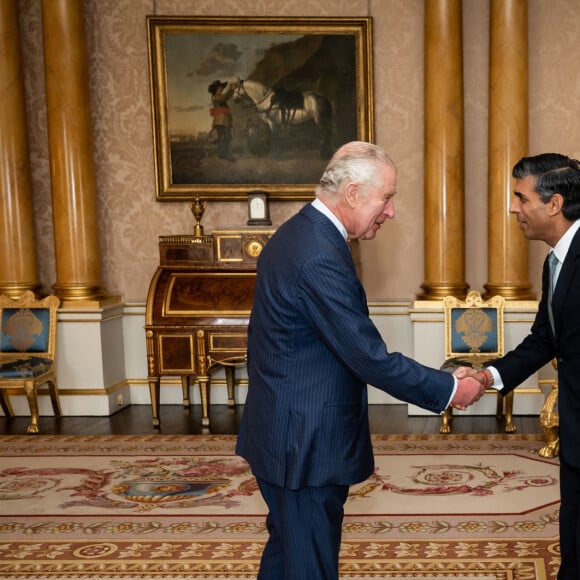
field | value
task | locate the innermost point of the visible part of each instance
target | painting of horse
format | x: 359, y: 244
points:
x: 307, y: 89
x: 280, y: 109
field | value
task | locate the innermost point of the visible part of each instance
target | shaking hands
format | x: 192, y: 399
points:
x: 471, y: 385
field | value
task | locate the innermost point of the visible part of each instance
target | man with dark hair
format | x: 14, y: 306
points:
x: 546, y: 204
x: 221, y: 115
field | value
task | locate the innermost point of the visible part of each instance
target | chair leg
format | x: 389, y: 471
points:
x: 30, y: 391
x: 5, y: 404
x: 509, y: 407
x: 53, y: 391
x: 499, y: 408
x: 446, y: 421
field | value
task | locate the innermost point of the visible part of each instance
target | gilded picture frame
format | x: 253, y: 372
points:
x: 295, y: 88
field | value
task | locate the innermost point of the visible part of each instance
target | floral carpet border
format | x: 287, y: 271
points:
x: 13, y: 445
x: 505, y: 559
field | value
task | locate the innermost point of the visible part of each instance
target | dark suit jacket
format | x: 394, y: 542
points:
x: 542, y: 345
x: 312, y: 349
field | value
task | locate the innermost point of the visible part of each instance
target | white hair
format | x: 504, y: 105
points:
x: 356, y: 162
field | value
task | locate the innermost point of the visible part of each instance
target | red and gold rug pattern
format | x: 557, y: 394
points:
x: 172, y: 507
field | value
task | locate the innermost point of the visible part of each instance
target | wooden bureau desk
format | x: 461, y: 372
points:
x: 198, y: 309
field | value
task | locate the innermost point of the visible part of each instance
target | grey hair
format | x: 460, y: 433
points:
x: 356, y: 162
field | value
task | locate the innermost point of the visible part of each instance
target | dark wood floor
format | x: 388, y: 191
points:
x: 136, y: 419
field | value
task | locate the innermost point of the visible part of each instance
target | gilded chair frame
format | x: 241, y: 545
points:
x: 31, y: 382
x: 476, y: 353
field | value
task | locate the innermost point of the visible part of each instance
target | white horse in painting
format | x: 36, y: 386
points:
x: 282, y: 108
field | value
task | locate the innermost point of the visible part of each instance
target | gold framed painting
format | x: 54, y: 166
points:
x: 240, y: 104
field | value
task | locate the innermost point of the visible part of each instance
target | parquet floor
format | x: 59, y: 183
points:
x: 136, y: 419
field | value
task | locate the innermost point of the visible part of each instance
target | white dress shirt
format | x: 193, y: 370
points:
x: 561, y: 251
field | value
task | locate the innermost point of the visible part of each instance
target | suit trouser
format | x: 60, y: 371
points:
x: 569, y: 521
x: 305, y: 527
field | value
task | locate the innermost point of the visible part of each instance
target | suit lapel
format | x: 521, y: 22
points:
x: 564, y: 285
x: 330, y: 231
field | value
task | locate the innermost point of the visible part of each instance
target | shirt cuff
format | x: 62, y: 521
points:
x: 497, y: 382
x: 452, y: 394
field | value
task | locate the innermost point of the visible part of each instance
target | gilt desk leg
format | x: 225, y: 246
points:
x: 230, y: 378
x: 204, y: 384
x: 185, y: 390
x: 154, y: 383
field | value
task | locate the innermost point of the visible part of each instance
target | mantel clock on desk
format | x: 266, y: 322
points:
x: 198, y: 309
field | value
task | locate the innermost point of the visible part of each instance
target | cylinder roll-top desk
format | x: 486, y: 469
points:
x: 198, y: 309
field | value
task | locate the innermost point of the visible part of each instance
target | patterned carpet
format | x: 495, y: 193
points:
x: 154, y: 507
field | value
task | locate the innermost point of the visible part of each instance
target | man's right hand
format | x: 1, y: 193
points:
x: 469, y: 390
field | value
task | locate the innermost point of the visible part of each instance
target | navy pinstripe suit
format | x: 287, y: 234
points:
x: 312, y: 349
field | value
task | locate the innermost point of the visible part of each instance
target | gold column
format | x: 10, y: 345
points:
x: 18, y: 271
x: 508, y: 142
x: 78, y: 269
x: 444, y: 154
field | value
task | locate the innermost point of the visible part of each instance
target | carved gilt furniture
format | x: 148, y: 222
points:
x: 27, y: 351
x: 198, y: 309
x: 474, y: 338
x: 550, y: 420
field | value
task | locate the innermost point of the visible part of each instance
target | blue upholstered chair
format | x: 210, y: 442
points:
x: 474, y: 338
x: 27, y: 351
